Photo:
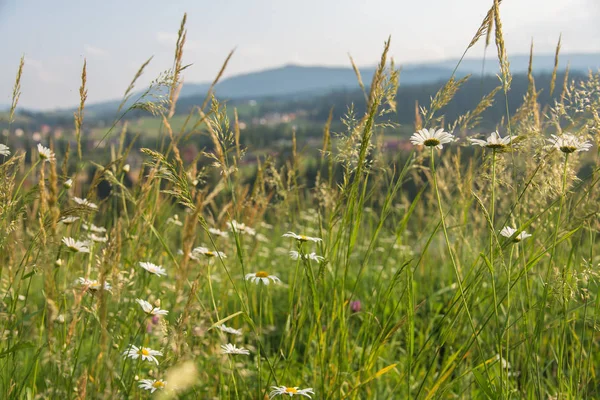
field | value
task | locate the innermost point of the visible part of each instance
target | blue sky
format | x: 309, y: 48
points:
x: 117, y: 36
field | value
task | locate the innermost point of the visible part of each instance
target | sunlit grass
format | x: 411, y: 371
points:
x: 467, y: 271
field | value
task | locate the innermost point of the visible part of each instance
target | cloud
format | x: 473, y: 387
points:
x: 41, y: 72
x: 169, y: 39
x: 94, y: 51
x: 166, y: 38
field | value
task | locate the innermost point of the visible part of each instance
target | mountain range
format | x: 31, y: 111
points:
x: 314, y: 80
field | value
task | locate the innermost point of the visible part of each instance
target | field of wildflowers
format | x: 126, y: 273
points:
x: 481, y: 283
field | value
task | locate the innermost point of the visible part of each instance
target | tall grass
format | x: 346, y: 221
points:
x: 385, y: 291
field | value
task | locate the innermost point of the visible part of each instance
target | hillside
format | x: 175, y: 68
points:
x: 315, y: 80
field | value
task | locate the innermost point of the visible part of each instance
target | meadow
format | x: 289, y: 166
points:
x: 465, y: 269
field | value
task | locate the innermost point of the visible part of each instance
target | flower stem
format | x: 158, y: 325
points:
x: 454, y: 265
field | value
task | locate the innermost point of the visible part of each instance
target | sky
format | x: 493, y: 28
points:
x: 117, y: 36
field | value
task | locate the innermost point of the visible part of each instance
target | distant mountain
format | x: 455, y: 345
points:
x: 295, y: 79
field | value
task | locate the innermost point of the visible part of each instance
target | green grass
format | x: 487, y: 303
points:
x: 417, y: 294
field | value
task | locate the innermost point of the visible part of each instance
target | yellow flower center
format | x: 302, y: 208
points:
x: 431, y: 142
x: 144, y: 351
x: 210, y: 254
x: 495, y: 145
x: 158, y: 384
x: 291, y: 390
x: 262, y: 274
x: 303, y: 237
x: 94, y: 285
x: 568, y: 149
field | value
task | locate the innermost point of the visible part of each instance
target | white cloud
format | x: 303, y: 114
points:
x: 94, y: 51
x: 41, y: 71
x: 166, y: 38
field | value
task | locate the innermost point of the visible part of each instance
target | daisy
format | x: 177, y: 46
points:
x: 494, y: 141
x: 302, y: 238
x: 4, y: 150
x: 152, y: 384
x: 208, y: 253
x: 232, y: 349
x: 45, y: 153
x: 290, y: 391
x: 174, y: 220
x: 150, y: 309
x: 146, y: 353
x: 85, y: 203
x: 508, y: 232
x: 92, y: 285
x: 153, y: 268
x: 93, y: 228
x: 227, y: 329
x: 218, y: 232
x: 312, y: 256
x: 242, y: 228
x: 75, y: 245
x: 262, y: 276
x: 98, y: 239
x: 568, y: 143
x: 68, y: 183
x: 69, y: 220
x: 431, y: 138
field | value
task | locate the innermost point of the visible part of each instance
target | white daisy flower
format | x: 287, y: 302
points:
x: 68, y: 183
x: 217, y: 232
x: 4, y: 150
x: 150, y: 309
x: 98, y: 239
x: 568, y: 143
x: 508, y: 232
x: 262, y: 276
x: 45, y: 153
x: 494, y: 141
x: 174, y: 220
x: 92, y: 285
x: 69, y: 220
x: 265, y: 225
x: 85, y: 203
x: 208, y: 253
x: 241, y: 228
x: 146, y: 353
x: 432, y: 138
x: 302, y: 238
x: 93, y: 228
x: 227, y: 329
x: 262, y: 238
x: 290, y: 391
x: 153, y: 268
x: 232, y: 349
x: 312, y: 256
x: 152, y: 384
x: 75, y: 245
